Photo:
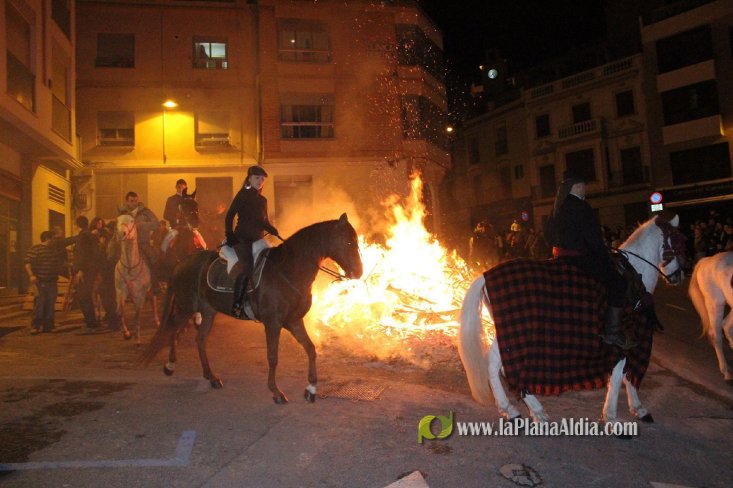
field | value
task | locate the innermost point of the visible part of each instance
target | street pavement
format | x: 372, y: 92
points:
x: 77, y: 411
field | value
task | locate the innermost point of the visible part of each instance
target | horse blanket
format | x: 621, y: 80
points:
x: 548, y: 317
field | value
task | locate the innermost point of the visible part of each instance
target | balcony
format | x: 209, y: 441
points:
x: 689, y: 75
x: 694, y: 129
x: 588, y: 127
x: 663, y: 13
x: 607, y: 70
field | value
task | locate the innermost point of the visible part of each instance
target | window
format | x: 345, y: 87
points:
x: 581, y: 112
x: 115, y: 50
x: 700, y: 164
x: 690, y: 102
x: 502, y: 143
x: 306, y: 116
x: 684, y: 49
x: 518, y: 172
x: 422, y: 119
x: 542, y: 125
x: 582, y: 163
x: 212, y: 129
x: 414, y: 48
x: 116, y: 129
x: 210, y: 53
x: 632, y: 170
x: 303, y: 41
x: 21, y: 79
x: 547, y: 181
x: 475, y: 155
x: 60, y: 111
x: 62, y: 16
x: 625, y: 103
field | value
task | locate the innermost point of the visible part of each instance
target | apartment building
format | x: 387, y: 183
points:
x: 688, y: 63
x: 38, y: 144
x: 513, y: 157
x: 340, y: 102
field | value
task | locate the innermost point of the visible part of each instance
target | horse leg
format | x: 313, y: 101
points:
x: 726, y: 331
x: 634, y: 402
x: 121, y: 292
x: 203, y: 333
x: 156, y: 319
x: 301, y: 335
x: 715, y: 310
x: 505, y: 407
x: 610, y: 406
x: 535, y: 409
x: 272, y: 333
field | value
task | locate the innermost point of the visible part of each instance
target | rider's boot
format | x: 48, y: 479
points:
x: 612, y: 330
x: 240, y: 288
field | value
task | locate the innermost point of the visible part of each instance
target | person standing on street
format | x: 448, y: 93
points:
x: 43, y: 265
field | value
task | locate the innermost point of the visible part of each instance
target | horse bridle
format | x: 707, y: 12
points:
x: 668, y: 252
x: 139, y: 255
x: 333, y: 274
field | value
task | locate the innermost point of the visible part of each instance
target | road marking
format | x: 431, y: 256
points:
x: 676, y: 307
x: 412, y: 480
x: 183, y: 457
x: 656, y: 484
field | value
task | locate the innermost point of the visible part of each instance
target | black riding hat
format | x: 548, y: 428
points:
x: 256, y: 170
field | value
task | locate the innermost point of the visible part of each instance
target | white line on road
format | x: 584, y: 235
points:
x: 676, y: 307
x: 183, y: 457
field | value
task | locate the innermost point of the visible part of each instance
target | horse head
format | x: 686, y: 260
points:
x: 188, y: 210
x: 672, y: 250
x: 343, y: 248
x: 126, y: 228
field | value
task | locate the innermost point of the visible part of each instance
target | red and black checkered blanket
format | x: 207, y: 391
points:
x: 548, y: 317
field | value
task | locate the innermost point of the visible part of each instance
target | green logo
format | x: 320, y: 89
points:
x: 423, y: 428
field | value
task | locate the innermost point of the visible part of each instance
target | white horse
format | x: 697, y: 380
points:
x: 710, y: 290
x: 132, y: 274
x: 648, y: 250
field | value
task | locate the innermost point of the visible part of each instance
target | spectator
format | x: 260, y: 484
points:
x: 86, y: 266
x: 42, y: 265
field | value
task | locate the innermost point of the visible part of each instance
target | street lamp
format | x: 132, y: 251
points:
x: 167, y: 105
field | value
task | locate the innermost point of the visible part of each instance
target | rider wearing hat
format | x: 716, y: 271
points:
x: 576, y: 236
x: 250, y: 207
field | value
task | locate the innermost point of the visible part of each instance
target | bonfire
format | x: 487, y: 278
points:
x: 408, y: 302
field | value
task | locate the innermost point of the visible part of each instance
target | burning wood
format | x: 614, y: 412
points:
x: 412, y: 293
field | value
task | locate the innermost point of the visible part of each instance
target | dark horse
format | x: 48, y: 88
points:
x: 185, y: 240
x: 281, y: 300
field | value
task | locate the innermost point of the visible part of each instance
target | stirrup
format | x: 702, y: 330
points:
x: 618, y: 340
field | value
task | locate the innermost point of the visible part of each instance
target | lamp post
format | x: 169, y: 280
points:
x: 167, y: 105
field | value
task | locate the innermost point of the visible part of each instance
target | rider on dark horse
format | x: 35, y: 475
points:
x: 575, y: 234
x: 250, y: 207
x: 171, y: 213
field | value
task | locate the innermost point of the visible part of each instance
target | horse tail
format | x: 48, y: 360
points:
x: 163, y: 336
x: 471, y: 347
x: 698, y: 300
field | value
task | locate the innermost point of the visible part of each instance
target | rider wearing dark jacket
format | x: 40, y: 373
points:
x: 250, y: 207
x: 172, y: 205
x: 576, y: 236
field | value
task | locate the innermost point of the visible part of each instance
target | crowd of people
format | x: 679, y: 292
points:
x: 91, y: 267
x: 488, y: 247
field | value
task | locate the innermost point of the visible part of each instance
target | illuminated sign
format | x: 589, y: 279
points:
x: 655, y: 198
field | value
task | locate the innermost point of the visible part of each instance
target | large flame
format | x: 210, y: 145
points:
x: 409, y: 297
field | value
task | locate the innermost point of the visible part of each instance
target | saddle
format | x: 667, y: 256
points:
x: 217, y: 276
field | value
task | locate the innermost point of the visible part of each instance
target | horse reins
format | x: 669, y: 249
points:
x: 139, y: 255
x: 329, y: 272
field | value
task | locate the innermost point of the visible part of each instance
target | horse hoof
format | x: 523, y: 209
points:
x: 310, y: 397
x: 216, y: 383
x: 280, y: 399
x: 127, y: 335
x: 515, y: 420
x: 647, y: 418
x: 729, y: 382
x: 168, y: 372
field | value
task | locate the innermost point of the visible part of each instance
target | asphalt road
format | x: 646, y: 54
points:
x: 77, y: 411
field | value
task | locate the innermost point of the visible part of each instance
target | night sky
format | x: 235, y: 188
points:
x: 526, y: 32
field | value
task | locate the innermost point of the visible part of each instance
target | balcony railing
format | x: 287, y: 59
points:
x: 610, y: 69
x: 581, y: 128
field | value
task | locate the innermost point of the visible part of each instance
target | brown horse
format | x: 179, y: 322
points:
x: 281, y: 299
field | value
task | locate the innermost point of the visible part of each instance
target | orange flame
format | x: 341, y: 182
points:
x: 410, y: 294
